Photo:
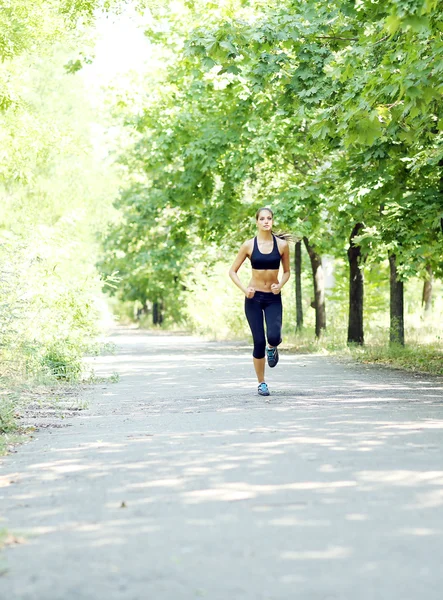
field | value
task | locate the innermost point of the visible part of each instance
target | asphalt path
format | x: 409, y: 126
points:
x: 180, y: 482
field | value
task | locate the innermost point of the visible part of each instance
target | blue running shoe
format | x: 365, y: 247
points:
x: 272, y: 355
x: 263, y: 389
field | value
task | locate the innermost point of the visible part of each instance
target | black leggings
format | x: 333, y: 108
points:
x: 269, y: 304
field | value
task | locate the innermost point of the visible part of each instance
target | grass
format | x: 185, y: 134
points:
x: 8, y: 441
x: 23, y: 407
x: 27, y: 399
x: 7, y: 411
x: 416, y: 356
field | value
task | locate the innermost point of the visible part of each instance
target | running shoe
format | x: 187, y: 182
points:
x: 263, y: 389
x: 272, y: 355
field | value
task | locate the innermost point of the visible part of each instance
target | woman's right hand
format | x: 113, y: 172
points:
x: 250, y: 291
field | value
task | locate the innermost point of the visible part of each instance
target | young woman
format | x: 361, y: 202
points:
x: 263, y: 299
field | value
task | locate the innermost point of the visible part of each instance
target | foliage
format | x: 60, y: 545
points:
x: 328, y: 111
x: 7, y: 415
x: 363, y: 83
x: 54, y: 195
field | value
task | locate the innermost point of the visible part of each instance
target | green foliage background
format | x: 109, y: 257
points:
x: 55, y: 194
x: 328, y: 112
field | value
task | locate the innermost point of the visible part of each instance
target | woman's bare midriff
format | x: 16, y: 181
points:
x: 261, y: 281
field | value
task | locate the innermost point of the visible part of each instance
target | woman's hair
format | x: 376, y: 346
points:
x: 284, y: 235
x: 257, y: 214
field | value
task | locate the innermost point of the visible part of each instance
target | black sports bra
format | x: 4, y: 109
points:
x: 262, y: 261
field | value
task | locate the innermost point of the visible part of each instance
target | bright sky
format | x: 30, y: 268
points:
x: 121, y: 47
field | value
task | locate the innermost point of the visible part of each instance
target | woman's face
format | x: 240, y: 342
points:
x: 264, y: 220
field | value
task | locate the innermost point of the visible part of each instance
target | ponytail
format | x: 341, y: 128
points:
x: 283, y: 235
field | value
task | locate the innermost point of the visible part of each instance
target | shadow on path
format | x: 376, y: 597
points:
x: 180, y: 482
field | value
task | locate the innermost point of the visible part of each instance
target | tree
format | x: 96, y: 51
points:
x: 363, y: 78
x: 53, y: 195
x: 356, y: 289
x: 298, y: 288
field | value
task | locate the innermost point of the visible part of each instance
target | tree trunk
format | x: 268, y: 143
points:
x: 397, y: 327
x: 440, y: 164
x: 157, y: 313
x: 142, y: 311
x: 319, y: 288
x: 356, y: 290
x: 427, y: 292
x: 298, y: 294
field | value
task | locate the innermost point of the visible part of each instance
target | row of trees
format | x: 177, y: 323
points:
x: 329, y: 111
x: 54, y: 191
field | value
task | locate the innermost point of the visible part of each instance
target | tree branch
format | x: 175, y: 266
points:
x: 382, y: 40
x: 297, y: 168
x: 396, y: 103
x: 335, y: 37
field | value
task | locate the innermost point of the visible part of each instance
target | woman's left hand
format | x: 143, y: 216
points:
x: 275, y: 288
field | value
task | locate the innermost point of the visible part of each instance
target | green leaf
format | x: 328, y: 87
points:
x: 208, y: 62
x: 392, y: 24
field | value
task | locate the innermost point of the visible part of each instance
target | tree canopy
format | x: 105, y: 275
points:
x: 328, y: 111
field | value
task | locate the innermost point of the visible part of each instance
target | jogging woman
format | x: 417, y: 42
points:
x: 263, y: 299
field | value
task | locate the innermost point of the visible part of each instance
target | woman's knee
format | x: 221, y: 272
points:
x: 274, y: 338
x: 259, y: 348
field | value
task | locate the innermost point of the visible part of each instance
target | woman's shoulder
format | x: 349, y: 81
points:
x: 248, y: 245
x: 282, y: 244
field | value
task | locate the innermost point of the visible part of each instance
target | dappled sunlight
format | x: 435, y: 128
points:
x: 430, y: 499
x: 333, y: 552
x: 238, y: 490
x: 179, y: 454
x: 297, y: 522
x: 180, y: 468
x: 398, y: 477
x: 218, y: 494
x: 175, y: 488
x: 414, y: 426
x: 419, y: 531
x: 158, y: 483
x: 9, y: 479
x: 50, y: 464
x: 61, y: 469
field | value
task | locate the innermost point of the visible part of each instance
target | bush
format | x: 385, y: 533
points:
x: 48, y: 317
x: 63, y: 361
x: 7, y: 414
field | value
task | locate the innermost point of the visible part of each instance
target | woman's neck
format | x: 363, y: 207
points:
x: 264, y: 236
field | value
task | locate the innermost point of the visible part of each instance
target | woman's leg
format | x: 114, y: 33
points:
x: 274, y: 319
x: 254, y: 315
x: 259, y: 366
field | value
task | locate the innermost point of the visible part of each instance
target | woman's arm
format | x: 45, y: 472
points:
x: 233, y: 271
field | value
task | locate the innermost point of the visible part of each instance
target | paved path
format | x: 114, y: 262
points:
x: 180, y: 482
